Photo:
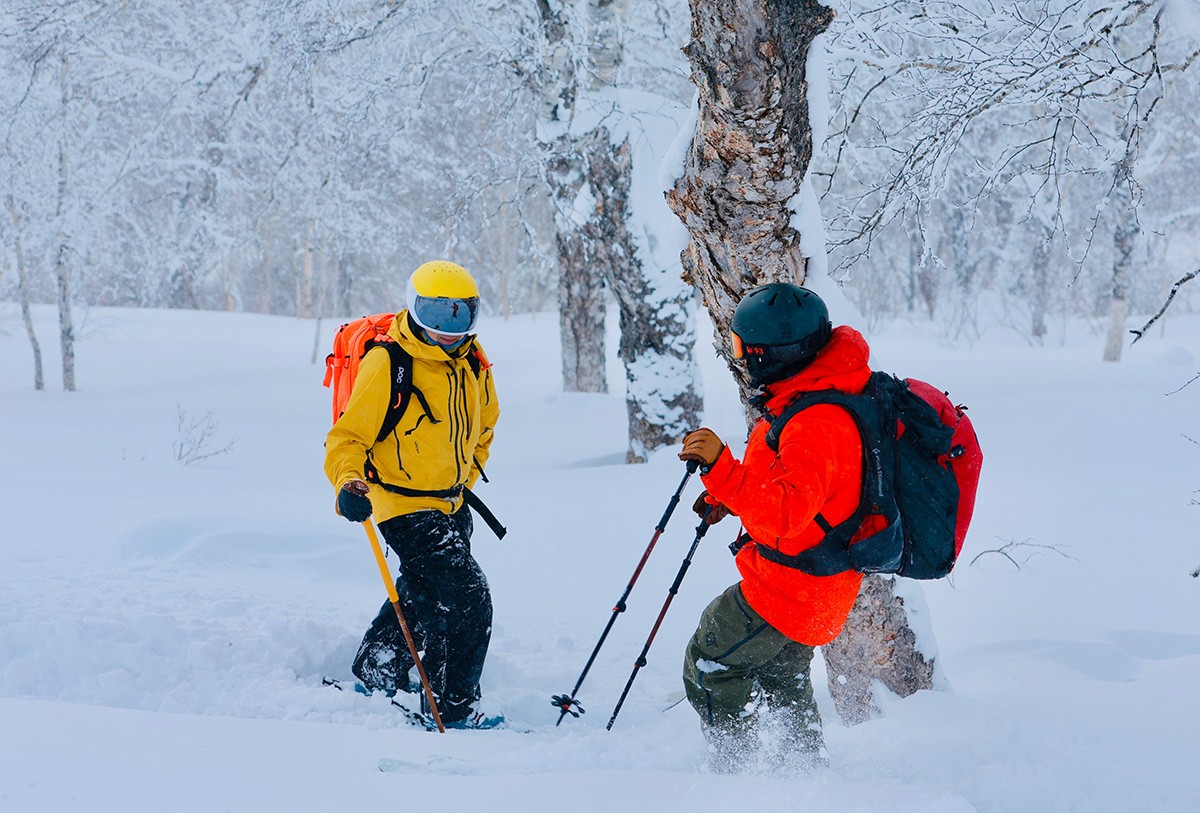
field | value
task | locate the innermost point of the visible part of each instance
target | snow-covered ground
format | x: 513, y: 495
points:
x: 164, y: 627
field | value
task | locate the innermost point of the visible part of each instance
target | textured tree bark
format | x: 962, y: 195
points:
x: 877, y: 644
x: 749, y: 153
x: 657, y: 327
x: 581, y: 290
x: 747, y: 160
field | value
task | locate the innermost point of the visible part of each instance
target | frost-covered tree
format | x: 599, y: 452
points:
x: 595, y: 142
x: 16, y: 225
x: 995, y: 110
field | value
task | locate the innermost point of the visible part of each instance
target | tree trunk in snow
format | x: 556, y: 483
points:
x: 877, y: 644
x: 581, y: 306
x: 657, y: 332
x: 66, y: 327
x: 748, y: 158
x: 1125, y: 234
x: 581, y: 292
x: 39, y: 381
x: 749, y: 153
x: 657, y: 327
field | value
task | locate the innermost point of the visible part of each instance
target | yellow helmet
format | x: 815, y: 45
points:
x: 443, y: 297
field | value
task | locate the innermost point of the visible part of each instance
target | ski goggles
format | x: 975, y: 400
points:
x: 444, y: 314
x: 741, y: 350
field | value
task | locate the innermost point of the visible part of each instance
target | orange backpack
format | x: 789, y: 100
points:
x: 350, y: 346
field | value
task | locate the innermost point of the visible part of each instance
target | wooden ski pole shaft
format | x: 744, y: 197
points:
x: 386, y: 573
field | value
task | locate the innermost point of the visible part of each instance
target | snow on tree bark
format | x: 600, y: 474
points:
x: 656, y: 324
x: 655, y: 319
x: 589, y: 170
x: 581, y: 304
x: 747, y: 161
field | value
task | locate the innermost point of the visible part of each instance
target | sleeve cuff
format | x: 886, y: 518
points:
x: 719, y: 470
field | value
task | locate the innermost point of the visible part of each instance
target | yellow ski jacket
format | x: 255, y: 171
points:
x: 443, y: 438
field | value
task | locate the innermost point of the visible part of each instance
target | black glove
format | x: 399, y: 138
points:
x: 352, y: 502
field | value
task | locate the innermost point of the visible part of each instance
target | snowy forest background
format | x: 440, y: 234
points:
x: 199, y: 192
x: 984, y: 164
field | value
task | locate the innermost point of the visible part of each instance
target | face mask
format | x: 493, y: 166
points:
x: 425, y: 337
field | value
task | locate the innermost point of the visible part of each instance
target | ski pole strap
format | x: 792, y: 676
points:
x: 485, y: 513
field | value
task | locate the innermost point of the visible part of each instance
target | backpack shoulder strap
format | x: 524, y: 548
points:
x: 871, y: 413
x: 401, y: 379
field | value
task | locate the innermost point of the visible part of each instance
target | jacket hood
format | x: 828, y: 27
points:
x: 841, y: 365
x: 403, y: 330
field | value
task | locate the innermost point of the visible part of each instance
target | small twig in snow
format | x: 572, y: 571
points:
x: 1172, y: 392
x: 195, y: 438
x: 1006, y: 550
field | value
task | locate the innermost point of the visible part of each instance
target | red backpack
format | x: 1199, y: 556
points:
x: 921, y: 464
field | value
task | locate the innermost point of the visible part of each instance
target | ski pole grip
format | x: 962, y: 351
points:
x: 692, y: 465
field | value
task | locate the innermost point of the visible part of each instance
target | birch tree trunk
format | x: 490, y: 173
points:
x: 62, y: 266
x: 1125, y: 234
x: 39, y: 381
x: 581, y: 290
x: 581, y: 306
x: 877, y: 644
x: 749, y: 153
x: 658, y: 333
x: 747, y: 160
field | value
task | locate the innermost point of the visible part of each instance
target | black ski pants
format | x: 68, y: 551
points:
x: 448, y: 608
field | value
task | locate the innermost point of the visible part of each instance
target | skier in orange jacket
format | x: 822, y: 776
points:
x: 746, y: 669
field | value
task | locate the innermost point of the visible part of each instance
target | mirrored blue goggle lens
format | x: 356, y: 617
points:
x: 447, y: 315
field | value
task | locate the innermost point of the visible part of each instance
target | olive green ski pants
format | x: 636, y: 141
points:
x: 737, y: 665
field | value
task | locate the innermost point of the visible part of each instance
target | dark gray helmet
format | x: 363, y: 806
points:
x: 778, y: 329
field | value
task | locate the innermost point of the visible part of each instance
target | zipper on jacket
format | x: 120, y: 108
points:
x: 455, y: 421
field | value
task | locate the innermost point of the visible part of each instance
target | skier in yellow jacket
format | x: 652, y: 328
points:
x: 412, y: 481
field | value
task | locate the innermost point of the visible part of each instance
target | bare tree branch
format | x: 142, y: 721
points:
x: 1138, y: 334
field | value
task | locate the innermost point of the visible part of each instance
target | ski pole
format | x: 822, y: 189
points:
x: 566, y: 703
x: 701, y: 530
x: 408, y: 638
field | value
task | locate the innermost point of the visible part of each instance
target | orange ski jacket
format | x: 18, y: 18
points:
x: 818, y: 469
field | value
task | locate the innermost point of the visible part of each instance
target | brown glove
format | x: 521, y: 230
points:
x: 702, y: 504
x: 358, y: 487
x: 703, y: 446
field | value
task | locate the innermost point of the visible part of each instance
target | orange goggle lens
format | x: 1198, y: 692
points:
x: 739, y: 349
